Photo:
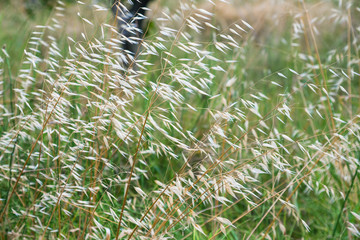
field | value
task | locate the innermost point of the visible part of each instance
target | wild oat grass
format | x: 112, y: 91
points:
x: 214, y: 131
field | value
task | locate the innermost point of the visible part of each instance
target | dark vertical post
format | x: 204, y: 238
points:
x: 129, y: 23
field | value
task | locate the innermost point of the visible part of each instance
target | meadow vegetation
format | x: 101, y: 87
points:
x: 237, y: 120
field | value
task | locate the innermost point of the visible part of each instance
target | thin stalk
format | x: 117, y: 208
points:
x: 130, y: 175
x: 349, y: 59
x: 346, y: 198
x: 317, y: 55
x: 13, y: 121
x: 10, y: 87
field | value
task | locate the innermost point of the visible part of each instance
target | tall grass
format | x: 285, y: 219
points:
x: 215, y: 130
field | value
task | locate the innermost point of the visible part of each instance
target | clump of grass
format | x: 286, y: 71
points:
x: 200, y: 135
